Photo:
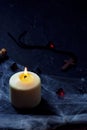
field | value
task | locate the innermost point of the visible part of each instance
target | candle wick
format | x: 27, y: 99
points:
x: 25, y: 76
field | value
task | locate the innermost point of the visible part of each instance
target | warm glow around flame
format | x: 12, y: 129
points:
x: 26, y: 76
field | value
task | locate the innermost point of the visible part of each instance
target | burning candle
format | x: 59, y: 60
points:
x: 25, y: 89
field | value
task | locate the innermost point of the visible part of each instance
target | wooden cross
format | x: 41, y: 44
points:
x: 68, y: 63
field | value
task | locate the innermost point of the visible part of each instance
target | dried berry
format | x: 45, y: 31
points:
x: 4, y: 51
x: 3, y: 55
x: 51, y: 45
x: 60, y: 92
x: 14, y: 67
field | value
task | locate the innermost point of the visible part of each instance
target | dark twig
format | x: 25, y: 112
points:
x: 26, y: 46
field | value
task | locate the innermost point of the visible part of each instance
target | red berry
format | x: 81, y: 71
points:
x: 51, y: 45
x: 60, y: 92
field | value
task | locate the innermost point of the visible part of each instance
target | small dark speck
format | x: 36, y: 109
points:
x: 14, y: 67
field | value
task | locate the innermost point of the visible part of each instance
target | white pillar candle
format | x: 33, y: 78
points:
x: 25, y: 89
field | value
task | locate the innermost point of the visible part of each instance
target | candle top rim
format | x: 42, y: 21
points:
x: 17, y: 84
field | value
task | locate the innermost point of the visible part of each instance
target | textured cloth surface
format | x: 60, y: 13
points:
x: 53, y: 111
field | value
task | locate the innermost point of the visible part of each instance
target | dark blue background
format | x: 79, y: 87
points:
x: 60, y: 21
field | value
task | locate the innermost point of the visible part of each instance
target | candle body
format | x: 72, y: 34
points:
x: 25, y: 94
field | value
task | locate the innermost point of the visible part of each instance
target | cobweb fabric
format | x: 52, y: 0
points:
x: 53, y: 110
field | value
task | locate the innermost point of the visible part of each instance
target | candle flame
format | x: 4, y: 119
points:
x: 26, y: 76
x: 25, y: 71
